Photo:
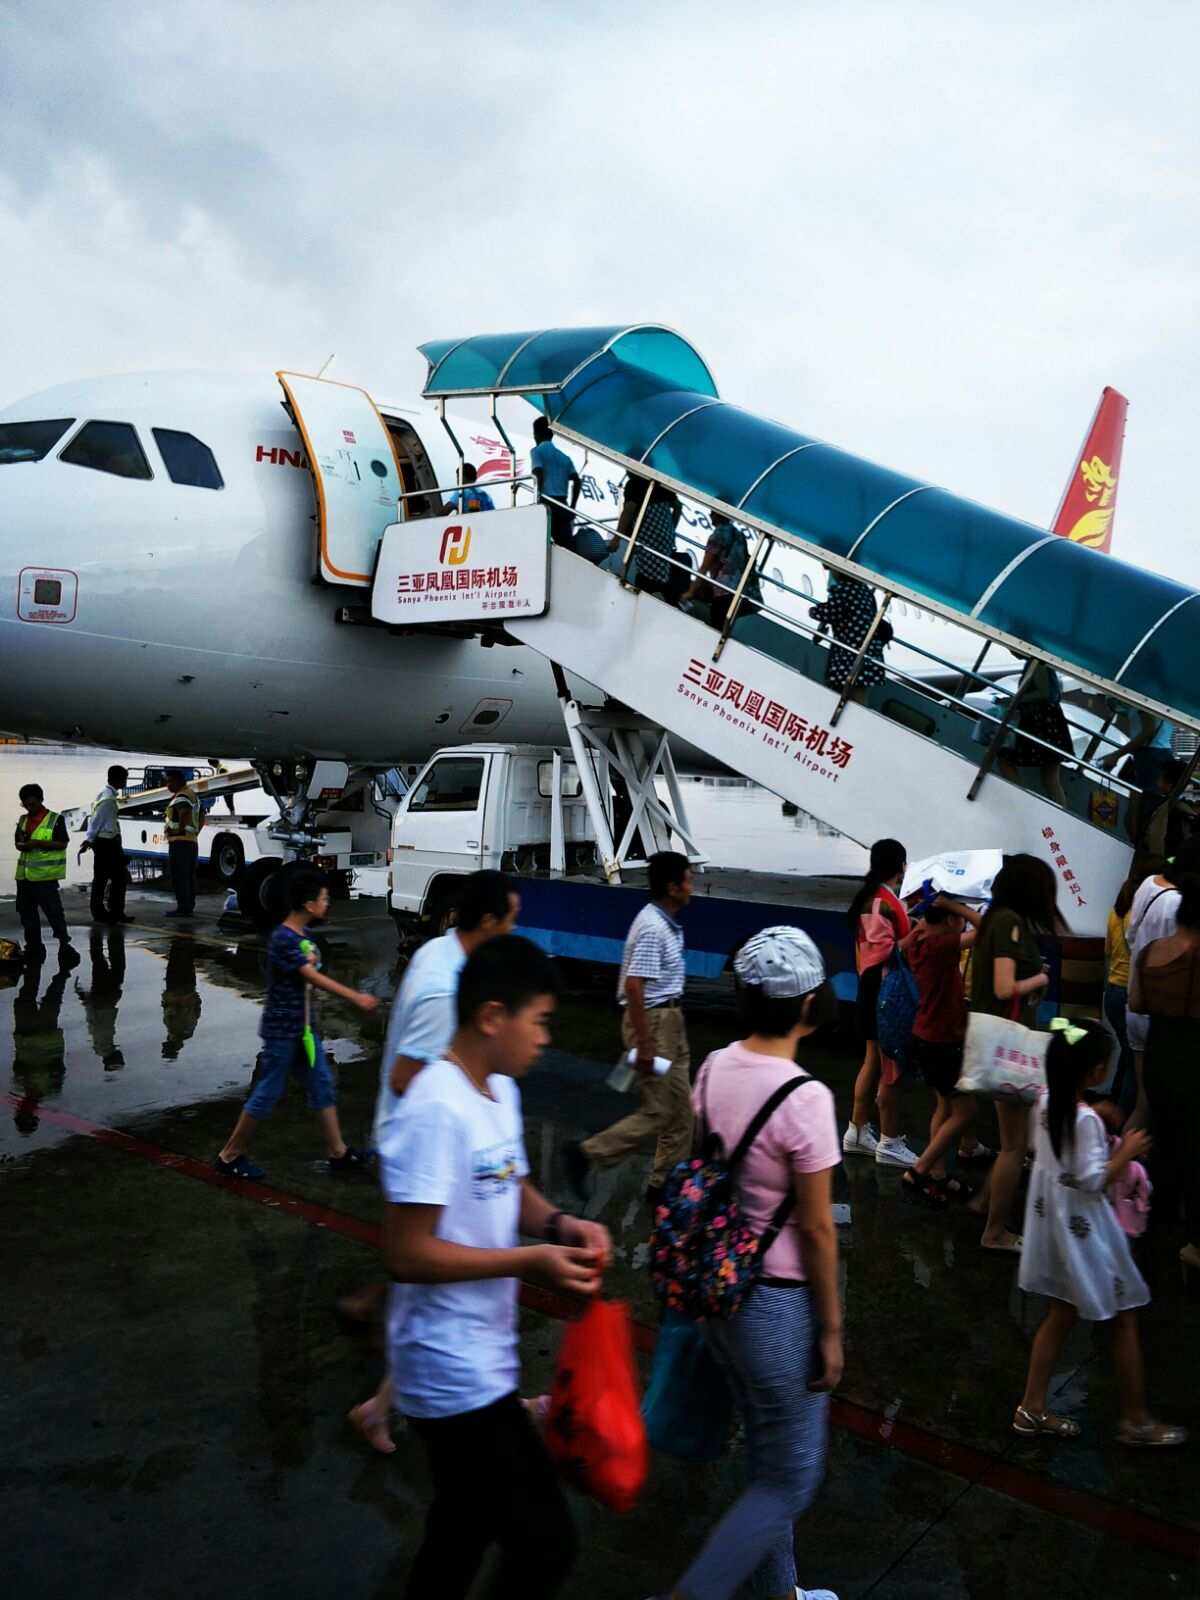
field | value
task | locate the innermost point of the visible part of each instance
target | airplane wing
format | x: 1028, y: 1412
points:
x: 1089, y: 503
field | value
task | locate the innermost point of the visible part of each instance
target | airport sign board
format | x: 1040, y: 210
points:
x: 478, y: 566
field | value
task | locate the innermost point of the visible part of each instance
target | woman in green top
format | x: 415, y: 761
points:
x: 1007, y: 980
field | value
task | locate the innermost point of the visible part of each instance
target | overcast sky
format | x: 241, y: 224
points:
x: 927, y: 233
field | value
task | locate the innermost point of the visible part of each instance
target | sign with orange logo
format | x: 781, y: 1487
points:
x: 456, y: 545
x: 485, y: 567
x: 1086, y: 513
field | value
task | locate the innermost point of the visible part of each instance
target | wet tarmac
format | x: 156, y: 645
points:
x: 174, y: 1380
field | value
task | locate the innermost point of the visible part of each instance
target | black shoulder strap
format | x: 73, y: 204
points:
x: 763, y: 1116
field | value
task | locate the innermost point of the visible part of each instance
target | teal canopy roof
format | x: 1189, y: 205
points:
x: 542, y: 363
x: 632, y: 394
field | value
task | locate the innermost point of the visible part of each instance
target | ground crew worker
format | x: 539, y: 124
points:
x: 183, y: 846
x: 41, y: 841
x: 651, y: 995
x: 109, y: 872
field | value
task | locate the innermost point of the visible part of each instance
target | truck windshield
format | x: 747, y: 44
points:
x: 451, y: 784
x: 29, y: 441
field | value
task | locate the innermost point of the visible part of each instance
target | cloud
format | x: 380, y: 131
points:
x: 930, y: 236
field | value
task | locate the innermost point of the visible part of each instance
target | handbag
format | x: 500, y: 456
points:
x: 688, y: 1406
x: 594, y: 1428
x: 1003, y: 1060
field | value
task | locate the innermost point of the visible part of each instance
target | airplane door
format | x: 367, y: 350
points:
x: 354, y: 468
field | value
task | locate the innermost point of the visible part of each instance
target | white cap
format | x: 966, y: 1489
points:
x: 783, y: 962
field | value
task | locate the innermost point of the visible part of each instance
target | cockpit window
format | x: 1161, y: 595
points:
x: 187, y: 459
x: 29, y: 441
x: 108, y: 447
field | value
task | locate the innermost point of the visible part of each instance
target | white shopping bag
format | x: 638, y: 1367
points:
x: 1003, y: 1060
x: 962, y: 874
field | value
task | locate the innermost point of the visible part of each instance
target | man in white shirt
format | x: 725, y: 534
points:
x: 650, y: 991
x: 109, y: 872
x: 420, y: 1027
x: 457, y: 1183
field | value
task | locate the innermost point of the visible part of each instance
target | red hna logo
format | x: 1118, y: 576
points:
x: 456, y: 543
x: 278, y: 457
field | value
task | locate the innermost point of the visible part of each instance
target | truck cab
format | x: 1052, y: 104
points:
x: 477, y: 806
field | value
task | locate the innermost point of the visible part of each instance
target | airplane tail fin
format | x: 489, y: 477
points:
x: 1089, y: 503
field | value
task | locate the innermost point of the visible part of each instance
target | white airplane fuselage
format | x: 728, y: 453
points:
x: 197, y: 625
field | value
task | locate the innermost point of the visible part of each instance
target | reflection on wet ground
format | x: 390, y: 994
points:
x: 174, y: 1381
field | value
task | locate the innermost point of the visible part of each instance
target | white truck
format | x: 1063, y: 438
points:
x: 483, y: 805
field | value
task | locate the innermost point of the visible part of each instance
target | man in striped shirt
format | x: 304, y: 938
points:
x: 109, y: 872
x: 650, y: 991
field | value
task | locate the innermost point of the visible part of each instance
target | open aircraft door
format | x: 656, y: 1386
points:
x: 355, y: 469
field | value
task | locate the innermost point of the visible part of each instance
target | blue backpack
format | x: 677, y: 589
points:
x: 896, y: 1011
x: 704, y: 1259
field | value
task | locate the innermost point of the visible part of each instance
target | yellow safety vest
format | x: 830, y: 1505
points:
x: 46, y: 864
x: 183, y: 823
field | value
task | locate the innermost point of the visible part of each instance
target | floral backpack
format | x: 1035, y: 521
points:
x: 704, y: 1259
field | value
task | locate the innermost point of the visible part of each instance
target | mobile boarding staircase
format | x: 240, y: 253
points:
x: 908, y: 757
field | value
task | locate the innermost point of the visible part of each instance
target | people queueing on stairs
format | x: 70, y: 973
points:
x: 1043, y: 734
x: 556, y: 477
x: 848, y: 613
x: 110, y: 872
x: 181, y: 824
x: 881, y: 926
x: 726, y: 558
x: 470, y: 497
x: 291, y: 1040
x: 419, y: 1031
x: 41, y: 843
x: 653, y: 567
x: 653, y: 1027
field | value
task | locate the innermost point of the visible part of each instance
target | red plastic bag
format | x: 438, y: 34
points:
x: 594, y: 1428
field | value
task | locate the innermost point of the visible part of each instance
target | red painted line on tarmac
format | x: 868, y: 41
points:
x: 976, y: 1466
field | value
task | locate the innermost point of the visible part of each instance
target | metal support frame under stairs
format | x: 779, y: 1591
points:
x: 617, y: 742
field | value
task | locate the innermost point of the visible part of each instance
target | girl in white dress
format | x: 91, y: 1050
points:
x: 1075, y: 1252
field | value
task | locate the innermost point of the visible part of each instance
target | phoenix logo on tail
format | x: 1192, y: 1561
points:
x: 1089, y: 502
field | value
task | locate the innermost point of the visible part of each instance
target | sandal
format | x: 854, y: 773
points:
x: 1152, y: 1435
x: 923, y: 1191
x: 977, y: 1157
x: 1029, y: 1425
x: 954, y: 1187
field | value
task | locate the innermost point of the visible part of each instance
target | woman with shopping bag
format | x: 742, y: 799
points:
x: 1008, y: 978
x: 781, y: 1343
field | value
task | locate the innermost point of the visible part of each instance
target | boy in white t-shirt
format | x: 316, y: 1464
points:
x: 452, y: 1160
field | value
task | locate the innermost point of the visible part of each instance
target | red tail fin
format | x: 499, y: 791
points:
x: 1089, y: 502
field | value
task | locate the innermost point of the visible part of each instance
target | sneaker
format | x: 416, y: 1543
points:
x: 895, y: 1153
x: 859, y: 1141
x: 239, y: 1167
x: 815, y: 1594
x: 577, y: 1167
x: 68, y: 956
x: 349, y: 1162
x: 978, y: 1156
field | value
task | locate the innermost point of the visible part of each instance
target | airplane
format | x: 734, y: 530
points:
x: 185, y: 551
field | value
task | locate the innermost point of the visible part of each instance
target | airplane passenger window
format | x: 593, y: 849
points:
x: 187, y: 459
x: 108, y: 447
x: 452, y: 784
x: 29, y: 441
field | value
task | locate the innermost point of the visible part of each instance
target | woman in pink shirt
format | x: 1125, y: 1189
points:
x: 782, y: 1350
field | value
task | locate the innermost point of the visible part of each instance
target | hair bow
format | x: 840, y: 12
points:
x: 1065, y: 1026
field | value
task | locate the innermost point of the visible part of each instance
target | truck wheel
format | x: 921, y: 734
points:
x: 227, y: 859
x: 258, y: 892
